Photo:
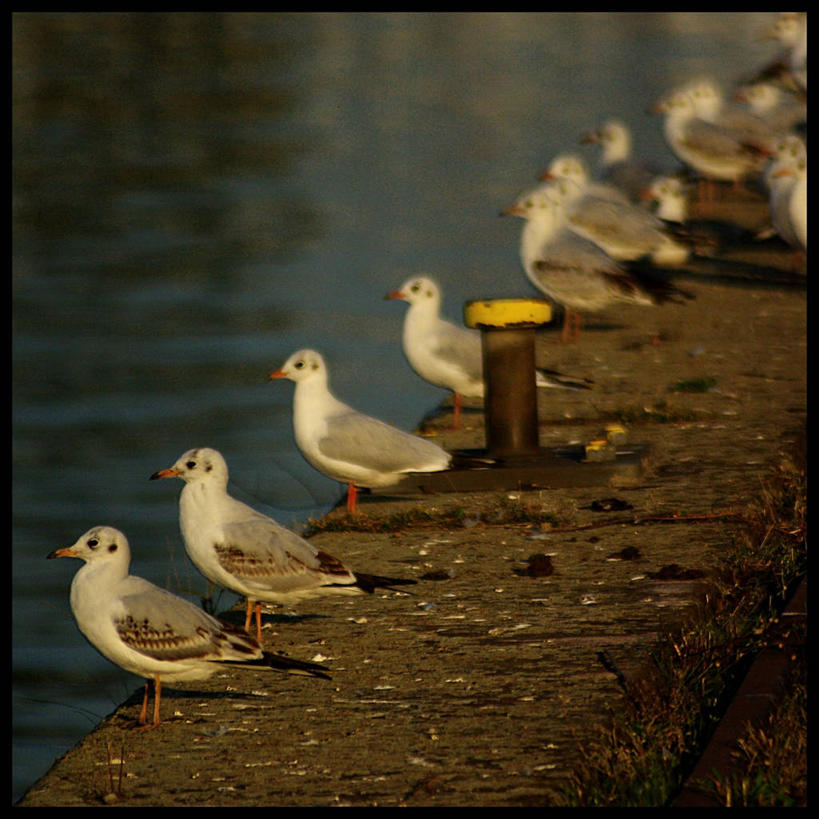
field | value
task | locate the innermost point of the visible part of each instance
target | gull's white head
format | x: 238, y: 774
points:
x: 761, y: 97
x: 418, y: 290
x: 676, y: 105
x: 707, y: 96
x: 614, y: 138
x: 98, y: 544
x: 538, y: 204
x: 303, y: 365
x: 568, y: 166
x: 197, y: 465
x: 671, y: 195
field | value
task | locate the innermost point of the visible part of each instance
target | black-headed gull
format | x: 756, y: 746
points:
x: 574, y: 271
x: 780, y: 109
x: 789, y: 200
x: 710, y: 151
x: 617, y: 165
x: 449, y: 355
x: 738, y: 121
x: 790, y: 29
x: 345, y: 444
x: 789, y: 150
x: 625, y: 231
x: 671, y: 195
x: 241, y: 549
x: 149, y: 631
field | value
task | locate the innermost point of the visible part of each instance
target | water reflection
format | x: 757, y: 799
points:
x: 196, y: 195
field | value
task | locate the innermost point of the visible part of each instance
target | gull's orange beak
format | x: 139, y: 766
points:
x: 277, y: 374
x: 165, y: 473
x: 394, y: 294
x: 512, y: 210
x: 66, y: 551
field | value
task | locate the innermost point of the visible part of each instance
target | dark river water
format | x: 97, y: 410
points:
x: 196, y: 196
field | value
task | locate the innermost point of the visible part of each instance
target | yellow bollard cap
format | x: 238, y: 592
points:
x: 507, y: 313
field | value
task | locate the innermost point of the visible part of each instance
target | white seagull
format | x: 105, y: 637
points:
x: 571, y: 270
x: 149, y: 631
x: 789, y: 201
x: 712, y: 152
x: 243, y: 550
x: 625, y: 231
x: 618, y: 166
x: 347, y: 445
x: 790, y: 29
x: 781, y: 110
x: 449, y: 355
x: 671, y: 196
x: 737, y: 120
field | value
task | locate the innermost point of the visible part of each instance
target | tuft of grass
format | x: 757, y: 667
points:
x: 504, y: 510
x: 655, y: 736
x: 772, y: 755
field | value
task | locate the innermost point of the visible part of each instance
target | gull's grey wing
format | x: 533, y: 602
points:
x: 461, y: 346
x: 360, y: 439
x: 162, y: 626
x: 268, y: 556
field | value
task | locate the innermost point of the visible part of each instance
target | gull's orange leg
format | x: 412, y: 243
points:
x: 352, y: 494
x: 143, y: 723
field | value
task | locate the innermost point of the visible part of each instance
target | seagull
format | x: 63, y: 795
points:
x: 740, y: 123
x: 347, y: 445
x: 571, y: 270
x: 710, y: 151
x: 790, y: 29
x: 571, y: 166
x: 789, y: 150
x: 781, y: 110
x: 240, y: 549
x: 149, y: 631
x: 449, y: 355
x: 618, y: 167
x: 625, y: 231
x: 788, y: 201
x: 670, y: 194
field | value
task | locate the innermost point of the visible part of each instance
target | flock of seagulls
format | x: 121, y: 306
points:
x: 589, y: 243
x: 586, y: 244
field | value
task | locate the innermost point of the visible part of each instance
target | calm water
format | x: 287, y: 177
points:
x: 196, y: 196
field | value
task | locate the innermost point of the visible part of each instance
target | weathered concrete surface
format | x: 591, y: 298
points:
x: 476, y: 689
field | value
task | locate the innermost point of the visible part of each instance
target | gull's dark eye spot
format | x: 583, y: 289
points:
x: 93, y: 543
x: 190, y: 464
x: 299, y: 365
x: 415, y: 287
x: 112, y: 547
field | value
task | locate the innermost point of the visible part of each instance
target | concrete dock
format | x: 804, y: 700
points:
x: 479, y: 687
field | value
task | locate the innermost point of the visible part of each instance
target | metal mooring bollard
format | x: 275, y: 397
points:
x: 510, y: 403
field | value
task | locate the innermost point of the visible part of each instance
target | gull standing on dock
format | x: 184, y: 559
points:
x: 345, y: 444
x: 710, y: 151
x: 149, y: 631
x: 618, y: 166
x: 599, y: 213
x: 243, y: 550
x: 449, y: 355
x: 574, y: 271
